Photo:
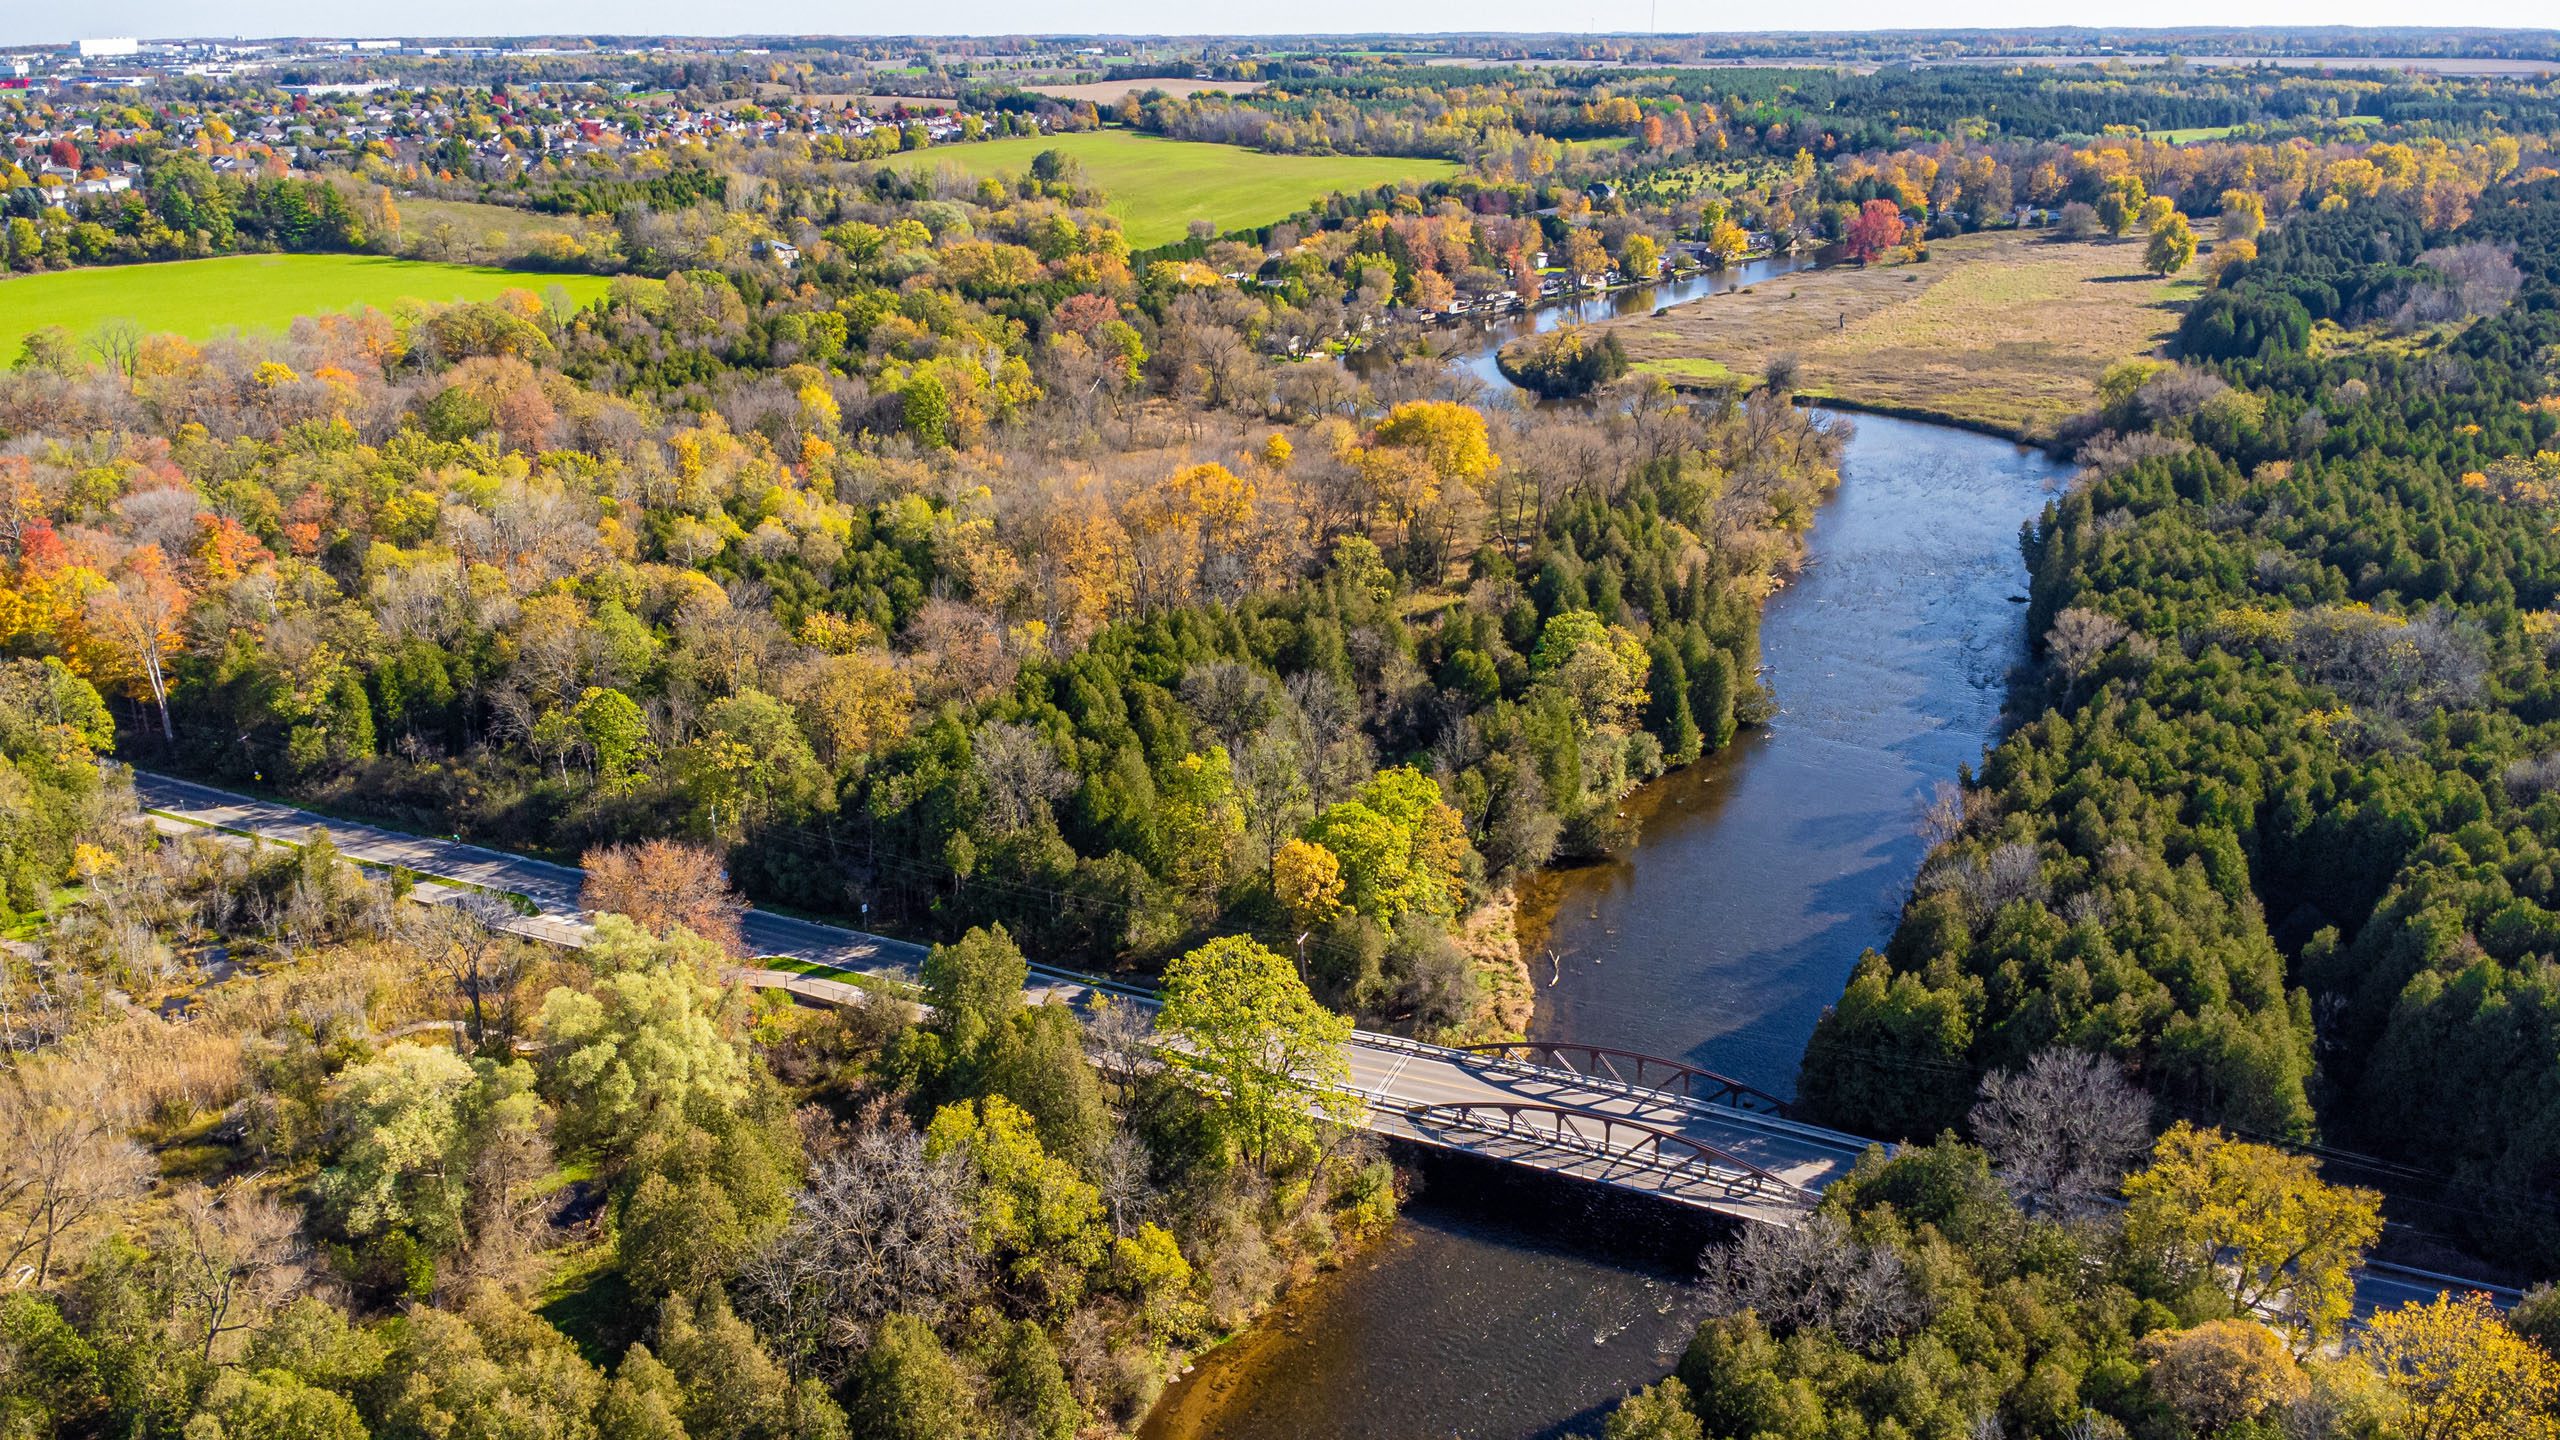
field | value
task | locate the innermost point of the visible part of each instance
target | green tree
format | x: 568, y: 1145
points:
x: 616, y: 735
x: 1657, y: 1412
x: 1399, y: 846
x: 1039, y: 1063
x: 273, y: 1405
x: 729, y: 1385
x: 926, y: 407
x: 494, y: 1372
x: 403, y: 1163
x: 1268, y: 1054
x: 644, y: 1048
x: 1028, y: 1387
x: 974, y: 988
x: 2120, y: 203
x: 1035, y: 1214
x: 906, y: 1388
x: 1200, y: 822
x: 644, y: 1402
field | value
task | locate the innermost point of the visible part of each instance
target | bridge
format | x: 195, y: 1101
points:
x: 1642, y: 1123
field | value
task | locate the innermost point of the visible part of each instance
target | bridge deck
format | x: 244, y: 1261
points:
x: 1452, y: 1099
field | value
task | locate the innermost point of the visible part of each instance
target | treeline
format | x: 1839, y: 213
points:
x: 2275, y: 832
x: 676, y: 189
x: 181, y: 209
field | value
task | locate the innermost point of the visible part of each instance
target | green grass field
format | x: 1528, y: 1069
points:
x: 1158, y: 187
x: 254, y: 293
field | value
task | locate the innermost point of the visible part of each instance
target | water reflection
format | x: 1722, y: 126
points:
x: 1498, y: 332
x: 1475, y: 341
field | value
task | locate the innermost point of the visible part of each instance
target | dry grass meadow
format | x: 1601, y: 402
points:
x: 2005, y: 330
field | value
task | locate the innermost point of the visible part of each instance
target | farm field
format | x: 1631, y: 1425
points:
x: 200, y: 298
x: 2005, y: 330
x: 1158, y: 187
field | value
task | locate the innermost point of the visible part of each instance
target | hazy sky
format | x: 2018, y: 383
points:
x: 29, y: 21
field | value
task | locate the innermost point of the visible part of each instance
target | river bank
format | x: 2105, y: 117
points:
x: 2003, y: 332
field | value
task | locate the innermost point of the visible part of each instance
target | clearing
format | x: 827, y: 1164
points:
x: 1158, y: 187
x: 201, y: 298
x: 2004, y: 330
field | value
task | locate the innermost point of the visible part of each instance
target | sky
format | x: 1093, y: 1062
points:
x: 31, y: 22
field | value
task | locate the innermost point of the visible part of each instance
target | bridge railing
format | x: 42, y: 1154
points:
x: 1611, y: 1064
x: 1846, y: 1144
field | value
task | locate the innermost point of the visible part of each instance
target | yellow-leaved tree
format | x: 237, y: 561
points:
x: 1307, y: 880
x: 2464, y: 1374
x: 2275, y: 1238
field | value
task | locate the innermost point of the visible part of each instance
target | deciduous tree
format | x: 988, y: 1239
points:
x: 1268, y: 1054
x: 662, y: 885
x: 1876, y: 230
x: 2278, y: 1237
x: 2463, y: 1373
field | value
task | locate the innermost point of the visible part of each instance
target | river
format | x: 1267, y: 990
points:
x: 1759, y: 877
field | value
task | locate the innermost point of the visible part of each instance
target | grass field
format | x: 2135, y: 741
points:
x: 256, y: 293
x: 1158, y: 187
x: 501, y: 230
x: 2001, y: 329
x: 2194, y: 133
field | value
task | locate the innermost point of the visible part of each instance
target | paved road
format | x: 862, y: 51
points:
x: 1400, y: 1080
x: 1748, y: 1165
x: 553, y: 889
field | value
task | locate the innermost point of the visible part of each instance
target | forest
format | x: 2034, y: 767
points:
x: 2270, y: 826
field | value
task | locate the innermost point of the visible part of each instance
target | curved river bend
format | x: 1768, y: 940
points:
x: 1761, y: 875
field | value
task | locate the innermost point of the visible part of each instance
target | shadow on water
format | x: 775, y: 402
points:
x: 1505, y: 1303
x: 1497, y: 1312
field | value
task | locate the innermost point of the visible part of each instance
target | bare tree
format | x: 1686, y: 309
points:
x: 880, y: 1227
x: 2079, y: 637
x: 1943, y: 818
x: 461, y: 939
x: 1121, y: 1036
x: 1818, y: 1276
x: 1020, y: 772
x: 66, y: 1162
x: 1121, y: 1173
x: 1988, y: 880
x: 118, y: 342
x: 2062, y: 1132
x: 227, y: 1260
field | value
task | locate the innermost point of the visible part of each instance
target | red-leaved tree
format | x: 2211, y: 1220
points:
x: 1876, y: 229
